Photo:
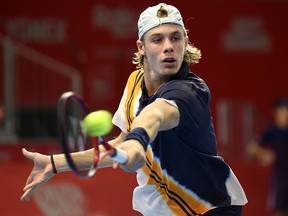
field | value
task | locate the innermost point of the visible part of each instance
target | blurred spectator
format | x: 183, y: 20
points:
x: 271, y: 148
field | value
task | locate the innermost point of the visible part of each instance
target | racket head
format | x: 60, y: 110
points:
x: 71, y: 110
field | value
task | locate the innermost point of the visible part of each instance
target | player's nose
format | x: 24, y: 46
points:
x: 168, y: 47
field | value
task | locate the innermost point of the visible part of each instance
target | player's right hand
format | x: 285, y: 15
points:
x: 40, y: 174
x: 135, y: 153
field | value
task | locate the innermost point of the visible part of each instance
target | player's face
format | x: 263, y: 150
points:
x: 163, y: 48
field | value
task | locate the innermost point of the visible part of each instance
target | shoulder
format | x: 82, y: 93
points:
x: 134, y: 80
x: 192, y: 81
x: 137, y: 74
x: 192, y: 86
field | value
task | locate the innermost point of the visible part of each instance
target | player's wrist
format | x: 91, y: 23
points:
x: 54, y: 170
x: 60, y: 162
x: 141, y: 135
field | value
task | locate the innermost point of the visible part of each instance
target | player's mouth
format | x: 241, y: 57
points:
x: 169, y: 60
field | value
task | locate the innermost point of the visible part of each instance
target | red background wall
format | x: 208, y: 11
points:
x: 243, y: 43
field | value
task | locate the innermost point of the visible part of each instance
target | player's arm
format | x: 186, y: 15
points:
x: 84, y: 159
x: 42, y: 170
x: 157, y: 116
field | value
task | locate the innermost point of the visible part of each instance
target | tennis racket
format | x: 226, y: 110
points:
x: 71, y: 110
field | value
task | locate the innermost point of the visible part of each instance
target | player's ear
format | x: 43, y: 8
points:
x: 140, y: 46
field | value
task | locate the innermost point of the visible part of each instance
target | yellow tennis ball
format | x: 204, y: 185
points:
x: 97, y: 123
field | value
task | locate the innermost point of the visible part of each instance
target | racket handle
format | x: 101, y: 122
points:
x: 119, y: 155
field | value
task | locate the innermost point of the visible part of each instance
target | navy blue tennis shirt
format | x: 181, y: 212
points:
x: 183, y: 173
x: 191, y: 146
x: 194, y: 106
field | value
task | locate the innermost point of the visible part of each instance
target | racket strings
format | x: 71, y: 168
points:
x: 73, y: 112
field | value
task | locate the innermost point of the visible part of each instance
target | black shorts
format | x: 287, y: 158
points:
x: 225, y: 211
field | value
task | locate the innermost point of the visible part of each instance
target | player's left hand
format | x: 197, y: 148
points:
x: 41, y: 173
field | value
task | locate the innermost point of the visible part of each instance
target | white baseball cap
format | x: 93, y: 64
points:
x: 148, y: 18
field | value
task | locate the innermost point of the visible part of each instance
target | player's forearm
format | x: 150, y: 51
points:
x: 61, y: 164
x: 150, y: 121
x: 157, y: 117
x: 83, y: 160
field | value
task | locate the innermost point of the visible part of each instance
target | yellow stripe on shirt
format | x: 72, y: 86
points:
x: 133, y: 94
x: 178, y: 200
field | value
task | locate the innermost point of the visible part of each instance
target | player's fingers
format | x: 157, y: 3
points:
x: 103, y: 155
x: 28, y: 189
x: 24, y: 197
x: 116, y: 165
x: 29, y: 179
x: 27, y: 194
x: 27, y: 154
x: 32, y: 185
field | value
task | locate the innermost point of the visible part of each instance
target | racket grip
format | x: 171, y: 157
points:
x: 119, y: 155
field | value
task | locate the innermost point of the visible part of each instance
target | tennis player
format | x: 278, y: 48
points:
x: 167, y: 129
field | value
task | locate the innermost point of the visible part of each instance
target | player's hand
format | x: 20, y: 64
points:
x: 41, y: 173
x: 136, y: 155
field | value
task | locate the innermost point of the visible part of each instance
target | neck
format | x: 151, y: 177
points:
x: 153, y: 83
x: 152, y: 87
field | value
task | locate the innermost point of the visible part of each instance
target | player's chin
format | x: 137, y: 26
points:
x: 170, y: 70
x: 171, y: 66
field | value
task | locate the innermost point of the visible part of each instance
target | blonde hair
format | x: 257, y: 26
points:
x: 192, y: 54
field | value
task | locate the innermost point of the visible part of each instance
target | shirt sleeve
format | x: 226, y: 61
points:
x: 192, y: 102
x: 119, y: 119
x: 171, y: 102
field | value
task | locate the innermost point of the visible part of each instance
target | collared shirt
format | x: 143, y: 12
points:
x: 183, y: 174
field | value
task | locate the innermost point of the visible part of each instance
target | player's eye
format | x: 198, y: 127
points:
x: 156, y: 40
x: 176, y: 38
